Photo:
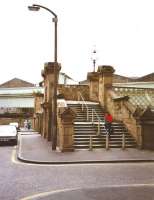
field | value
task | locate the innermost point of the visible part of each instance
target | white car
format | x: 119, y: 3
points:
x: 8, y: 134
x: 15, y: 124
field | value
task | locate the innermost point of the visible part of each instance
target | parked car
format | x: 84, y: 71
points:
x: 8, y: 134
x: 15, y: 124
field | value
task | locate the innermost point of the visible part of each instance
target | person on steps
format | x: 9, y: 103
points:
x: 108, y: 123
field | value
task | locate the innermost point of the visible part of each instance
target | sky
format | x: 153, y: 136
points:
x: 122, y: 31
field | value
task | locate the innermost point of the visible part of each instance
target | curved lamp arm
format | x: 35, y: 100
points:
x: 37, y: 6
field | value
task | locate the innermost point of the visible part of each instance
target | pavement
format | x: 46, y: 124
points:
x: 33, y: 148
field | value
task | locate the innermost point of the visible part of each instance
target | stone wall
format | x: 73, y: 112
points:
x: 38, y: 115
x: 123, y: 111
x: 71, y: 92
x: 147, y: 123
x: 6, y: 121
x: 38, y: 101
x: 138, y: 120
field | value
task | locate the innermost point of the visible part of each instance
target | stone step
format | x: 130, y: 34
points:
x: 87, y: 143
x: 82, y: 146
x: 114, y: 124
x: 103, y: 146
x: 104, y: 139
x: 83, y: 131
x: 85, y: 136
x: 96, y: 128
x: 87, y: 139
x: 93, y: 135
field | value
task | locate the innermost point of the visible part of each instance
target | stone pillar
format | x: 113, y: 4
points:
x: 37, y: 122
x: 93, y: 85
x: 147, y: 123
x: 50, y: 70
x: 66, y: 129
x: 105, y: 82
x: 41, y: 123
x: 137, y: 130
x: 37, y: 109
x: 34, y: 122
x: 43, y: 104
x: 44, y: 128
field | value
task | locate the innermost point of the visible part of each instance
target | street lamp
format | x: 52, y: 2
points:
x: 94, y: 58
x: 36, y: 7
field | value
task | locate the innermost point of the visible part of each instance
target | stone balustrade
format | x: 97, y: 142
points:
x: 137, y: 96
x: 131, y: 112
x: 70, y: 92
x: 65, y: 121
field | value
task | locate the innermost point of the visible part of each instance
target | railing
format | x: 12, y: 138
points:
x: 84, y: 105
x: 99, y: 122
x: 90, y: 143
x: 123, y: 141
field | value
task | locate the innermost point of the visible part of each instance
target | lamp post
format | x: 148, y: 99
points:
x: 94, y: 58
x: 36, y: 7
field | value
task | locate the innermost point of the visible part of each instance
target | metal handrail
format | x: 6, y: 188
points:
x: 99, y: 121
x: 98, y: 118
x: 84, y: 104
x: 98, y: 128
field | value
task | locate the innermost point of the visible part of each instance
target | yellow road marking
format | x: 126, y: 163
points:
x: 43, y: 194
x: 13, y: 156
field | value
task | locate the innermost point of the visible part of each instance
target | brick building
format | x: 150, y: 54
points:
x: 17, y: 101
x: 17, y: 98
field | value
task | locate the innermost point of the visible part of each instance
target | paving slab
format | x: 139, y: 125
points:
x: 34, y: 148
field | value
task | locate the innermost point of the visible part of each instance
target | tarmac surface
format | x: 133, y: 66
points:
x: 33, y: 148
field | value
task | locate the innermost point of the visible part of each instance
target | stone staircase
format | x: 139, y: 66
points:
x: 84, y: 129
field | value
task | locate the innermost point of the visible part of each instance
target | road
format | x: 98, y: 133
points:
x: 19, y: 180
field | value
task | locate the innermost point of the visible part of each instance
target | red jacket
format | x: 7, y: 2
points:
x: 108, y: 118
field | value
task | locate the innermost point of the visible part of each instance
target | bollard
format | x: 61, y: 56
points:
x: 87, y: 114
x: 82, y: 106
x: 98, y: 130
x: 107, y: 142
x: 92, y: 116
x: 123, y: 141
x: 90, y: 144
